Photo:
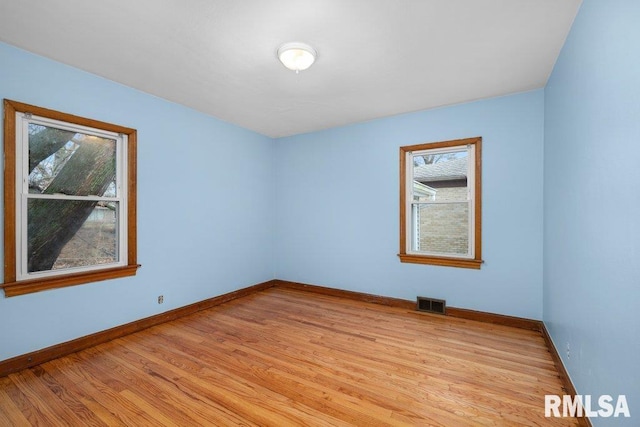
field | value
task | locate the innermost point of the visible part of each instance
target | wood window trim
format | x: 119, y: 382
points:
x: 11, y: 286
x: 405, y: 257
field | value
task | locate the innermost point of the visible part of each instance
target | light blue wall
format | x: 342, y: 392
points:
x: 592, y: 203
x: 337, y: 220
x: 205, y: 207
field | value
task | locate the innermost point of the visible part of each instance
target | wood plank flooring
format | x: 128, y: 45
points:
x: 284, y: 357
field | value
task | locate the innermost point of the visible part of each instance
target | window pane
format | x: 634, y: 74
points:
x: 73, y: 163
x: 441, y: 228
x: 70, y: 233
x: 440, y: 177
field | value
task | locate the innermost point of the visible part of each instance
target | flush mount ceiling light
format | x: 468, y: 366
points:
x: 296, y: 56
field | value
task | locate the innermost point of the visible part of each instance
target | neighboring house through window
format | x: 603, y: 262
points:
x: 440, y: 206
x: 70, y: 200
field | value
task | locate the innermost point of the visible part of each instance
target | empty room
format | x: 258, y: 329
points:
x: 320, y: 212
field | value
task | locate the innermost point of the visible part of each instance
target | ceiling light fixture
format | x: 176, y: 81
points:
x: 296, y: 56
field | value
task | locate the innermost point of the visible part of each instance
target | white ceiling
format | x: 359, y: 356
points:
x: 376, y: 58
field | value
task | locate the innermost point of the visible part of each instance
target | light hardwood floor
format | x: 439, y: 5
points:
x: 284, y: 357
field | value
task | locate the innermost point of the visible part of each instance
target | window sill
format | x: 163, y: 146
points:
x: 23, y: 287
x: 444, y: 261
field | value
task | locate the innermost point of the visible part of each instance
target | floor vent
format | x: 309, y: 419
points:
x: 432, y: 305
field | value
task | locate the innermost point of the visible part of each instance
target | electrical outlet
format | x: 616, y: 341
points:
x: 160, y: 299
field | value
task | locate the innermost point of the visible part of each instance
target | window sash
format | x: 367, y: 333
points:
x: 414, y: 244
x: 414, y: 232
x: 441, y: 202
x: 23, y: 196
x: 68, y: 197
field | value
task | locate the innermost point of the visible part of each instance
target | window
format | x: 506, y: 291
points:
x: 440, y: 203
x: 69, y: 200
